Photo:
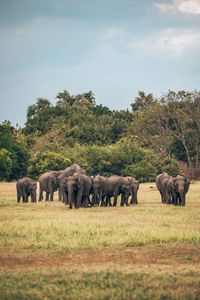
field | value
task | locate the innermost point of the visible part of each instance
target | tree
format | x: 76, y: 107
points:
x: 46, y: 161
x: 183, y: 122
x: 17, y: 148
x: 65, y: 99
x: 142, y: 101
x: 5, y: 164
x: 149, y: 124
x: 39, y: 117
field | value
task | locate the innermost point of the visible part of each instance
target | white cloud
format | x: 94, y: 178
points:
x: 111, y: 33
x: 183, y: 6
x: 172, y: 41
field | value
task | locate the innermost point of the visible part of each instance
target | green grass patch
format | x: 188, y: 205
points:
x: 107, y: 284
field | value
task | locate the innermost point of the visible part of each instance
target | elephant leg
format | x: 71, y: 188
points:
x: 126, y: 201
x: 93, y: 200
x: 32, y: 199
x: 135, y: 198
x: 176, y: 200
x: 51, y: 196
x: 65, y: 198
x: 115, y: 200
x: 102, y: 201
x: 168, y: 196
x: 98, y: 200
x: 47, y: 196
x: 70, y: 205
x: 18, y: 198
x: 109, y: 202
x: 59, y: 194
x: 85, y: 201
x: 26, y: 198
x: 91, y: 203
x: 162, y: 197
x: 173, y: 198
x: 132, y: 200
x: 40, y: 196
x: 79, y: 198
x: 71, y: 199
x: 122, y: 199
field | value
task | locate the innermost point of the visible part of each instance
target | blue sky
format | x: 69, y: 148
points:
x: 112, y: 47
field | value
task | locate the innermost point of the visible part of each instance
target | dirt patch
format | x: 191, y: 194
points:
x: 116, y: 256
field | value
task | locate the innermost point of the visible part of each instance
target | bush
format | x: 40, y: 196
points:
x: 15, y: 143
x: 43, y: 162
x: 170, y: 166
x: 5, y: 164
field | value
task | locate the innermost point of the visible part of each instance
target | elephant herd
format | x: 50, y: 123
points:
x: 77, y: 189
x: 172, y: 189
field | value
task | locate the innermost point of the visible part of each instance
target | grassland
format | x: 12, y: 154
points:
x: 148, y: 251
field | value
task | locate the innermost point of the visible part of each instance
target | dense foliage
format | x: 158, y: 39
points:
x: 14, y: 154
x: 142, y: 143
x: 43, y: 162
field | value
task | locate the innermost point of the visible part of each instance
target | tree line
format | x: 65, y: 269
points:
x: 153, y: 137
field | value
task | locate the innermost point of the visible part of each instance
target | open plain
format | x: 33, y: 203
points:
x: 145, y: 251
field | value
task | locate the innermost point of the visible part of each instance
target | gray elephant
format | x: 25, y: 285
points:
x: 98, y: 189
x: 62, y: 180
x: 168, y: 188
x: 114, y: 186
x: 26, y: 187
x: 181, y: 185
x: 135, y: 186
x: 162, y: 188
x: 49, y: 183
x: 78, y: 188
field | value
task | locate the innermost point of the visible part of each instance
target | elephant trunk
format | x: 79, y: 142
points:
x: 182, y: 197
x: 96, y: 198
x: 33, y: 196
x: 135, y: 197
x: 71, y: 196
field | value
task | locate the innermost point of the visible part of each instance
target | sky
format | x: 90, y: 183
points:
x: 113, y: 47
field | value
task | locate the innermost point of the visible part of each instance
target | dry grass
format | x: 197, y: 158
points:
x: 145, y: 251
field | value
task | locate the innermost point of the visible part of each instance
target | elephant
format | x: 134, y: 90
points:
x: 169, y: 190
x: 159, y: 183
x: 26, y: 187
x: 181, y: 184
x: 135, y: 186
x: 114, y: 186
x: 78, y: 187
x: 62, y: 180
x: 49, y: 183
x: 98, y: 188
x: 173, y: 190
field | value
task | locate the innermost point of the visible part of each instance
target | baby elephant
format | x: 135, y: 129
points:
x: 26, y: 187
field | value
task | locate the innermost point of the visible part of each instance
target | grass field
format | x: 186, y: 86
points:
x: 148, y: 251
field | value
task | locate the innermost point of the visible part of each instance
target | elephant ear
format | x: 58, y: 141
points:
x: 121, y: 183
x: 78, y: 181
x: 187, y: 184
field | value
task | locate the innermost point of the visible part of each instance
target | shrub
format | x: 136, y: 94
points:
x: 170, y: 166
x: 43, y: 162
x: 5, y: 164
